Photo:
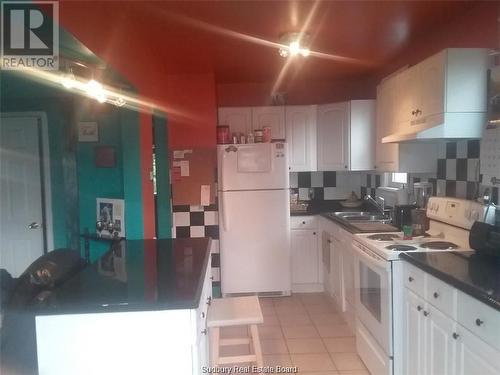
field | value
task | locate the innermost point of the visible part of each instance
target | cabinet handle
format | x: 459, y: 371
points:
x: 419, y: 308
x: 418, y: 112
x: 202, y: 315
x: 204, y: 332
x: 209, y: 301
x: 413, y: 112
x: 479, y: 322
x: 426, y: 313
x: 345, y: 166
x: 329, y: 241
x: 410, y: 279
x: 436, y: 294
x: 303, y: 222
x: 455, y: 335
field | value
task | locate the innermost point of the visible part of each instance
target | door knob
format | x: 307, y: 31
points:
x: 34, y: 225
x: 455, y: 335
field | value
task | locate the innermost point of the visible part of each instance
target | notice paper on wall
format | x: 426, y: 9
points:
x: 205, y: 195
x: 180, y: 154
x: 184, y: 168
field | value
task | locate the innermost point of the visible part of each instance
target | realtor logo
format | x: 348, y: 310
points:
x: 30, y: 35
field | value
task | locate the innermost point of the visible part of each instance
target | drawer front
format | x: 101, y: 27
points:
x: 480, y: 319
x: 304, y: 222
x: 414, y: 279
x: 443, y: 296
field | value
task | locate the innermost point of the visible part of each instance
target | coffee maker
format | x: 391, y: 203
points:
x: 422, y: 191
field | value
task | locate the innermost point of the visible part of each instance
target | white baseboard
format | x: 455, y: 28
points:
x: 308, y: 288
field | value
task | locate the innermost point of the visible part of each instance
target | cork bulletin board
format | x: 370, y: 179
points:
x: 193, y: 176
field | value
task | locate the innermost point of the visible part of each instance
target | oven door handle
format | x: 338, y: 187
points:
x: 374, y: 260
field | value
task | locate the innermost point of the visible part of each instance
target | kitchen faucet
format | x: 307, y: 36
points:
x: 379, y: 206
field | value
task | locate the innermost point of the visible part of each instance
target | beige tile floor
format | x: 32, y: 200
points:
x: 306, y: 331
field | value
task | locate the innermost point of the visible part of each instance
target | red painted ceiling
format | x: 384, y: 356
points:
x: 171, y: 37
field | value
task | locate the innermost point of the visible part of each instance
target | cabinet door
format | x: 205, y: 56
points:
x: 273, y: 117
x: 431, y: 82
x: 386, y: 154
x: 239, y: 119
x: 305, y: 259
x: 414, y: 334
x: 348, y: 274
x: 406, y: 101
x: 336, y: 271
x: 474, y: 356
x: 301, y: 137
x: 333, y: 137
x: 440, y: 348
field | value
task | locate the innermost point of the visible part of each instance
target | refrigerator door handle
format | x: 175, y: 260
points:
x: 225, y: 223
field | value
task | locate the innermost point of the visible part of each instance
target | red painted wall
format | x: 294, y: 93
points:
x: 193, y: 110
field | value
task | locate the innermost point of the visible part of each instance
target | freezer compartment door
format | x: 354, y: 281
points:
x: 252, y: 166
x: 255, y: 241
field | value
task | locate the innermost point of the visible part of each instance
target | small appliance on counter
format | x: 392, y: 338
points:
x: 422, y: 191
x: 402, y: 215
x: 485, y: 239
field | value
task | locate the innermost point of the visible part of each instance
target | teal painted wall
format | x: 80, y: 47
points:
x: 163, y: 201
x: 22, y: 95
x: 76, y: 182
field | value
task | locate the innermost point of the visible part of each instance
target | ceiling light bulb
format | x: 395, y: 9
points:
x: 96, y: 91
x: 294, y: 48
x: 283, y: 52
x: 305, y: 52
x: 119, y: 101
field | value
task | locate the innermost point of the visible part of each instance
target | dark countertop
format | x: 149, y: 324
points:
x: 137, y: 275
x: 323, y: 207
x: 474, y: 274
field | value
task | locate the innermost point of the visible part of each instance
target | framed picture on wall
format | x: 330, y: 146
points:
x: 88, y: 131
x: 110, y: 216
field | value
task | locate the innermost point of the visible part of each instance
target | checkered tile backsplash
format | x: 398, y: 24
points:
x: 326, y: 185
x: 200, y: 221
x: 458, y: 171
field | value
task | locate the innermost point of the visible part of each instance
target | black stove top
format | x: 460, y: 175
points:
x: 439, y: 245
x: 400, y: 247
x: 383, y: 237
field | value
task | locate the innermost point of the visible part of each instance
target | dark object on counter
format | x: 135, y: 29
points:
x: 485, y: 239
x: 402, y: 215
x: 419, y: 221
x: 43, y: 275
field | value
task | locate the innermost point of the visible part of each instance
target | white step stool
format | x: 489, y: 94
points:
x: 234, y: 311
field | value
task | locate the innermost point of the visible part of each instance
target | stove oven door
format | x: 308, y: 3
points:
x: 373, y: 293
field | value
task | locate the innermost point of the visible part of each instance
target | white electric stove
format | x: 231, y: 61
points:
x: 377, y: 270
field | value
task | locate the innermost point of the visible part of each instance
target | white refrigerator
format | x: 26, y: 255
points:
x: 254, y: 218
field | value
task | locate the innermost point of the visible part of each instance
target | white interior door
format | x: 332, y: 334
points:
x: 21, y: 226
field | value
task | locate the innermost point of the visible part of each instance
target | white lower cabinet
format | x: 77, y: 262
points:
x: 307, y: 272
x: 434, y: 342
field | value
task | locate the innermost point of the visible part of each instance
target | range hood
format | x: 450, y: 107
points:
x: 449, y: 125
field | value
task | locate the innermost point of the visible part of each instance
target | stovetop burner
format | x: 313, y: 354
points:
x: 383, y: 237
x: 439, y: 245
x: 400, y: 247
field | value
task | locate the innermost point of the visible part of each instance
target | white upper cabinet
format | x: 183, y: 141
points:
x: 346, y: 135
x: 239, y: 119
x: 301, y: 137
x: 273, y: 117
x: 386, y: 154
x: 333, y: 137
x: 443, y: 96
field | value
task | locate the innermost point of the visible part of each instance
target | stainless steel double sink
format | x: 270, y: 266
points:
x: 360, y: 217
